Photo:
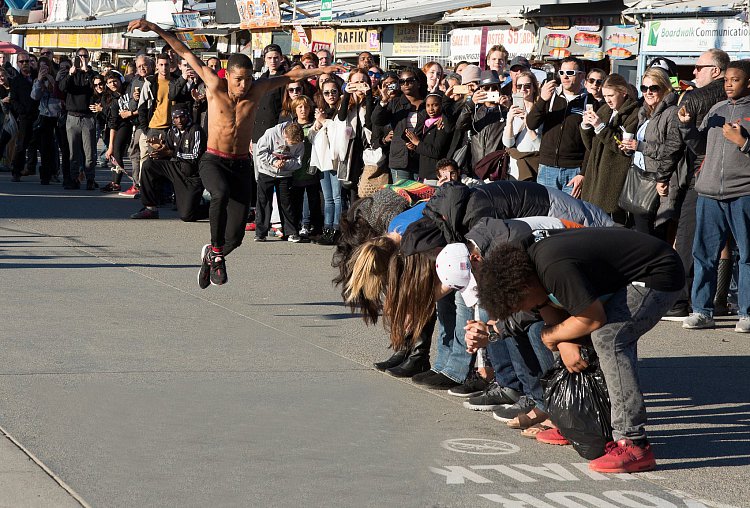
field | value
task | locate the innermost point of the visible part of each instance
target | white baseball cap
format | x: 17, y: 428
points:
x: 454, y: 270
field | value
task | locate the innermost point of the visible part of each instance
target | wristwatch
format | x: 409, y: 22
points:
x: 494, y: 336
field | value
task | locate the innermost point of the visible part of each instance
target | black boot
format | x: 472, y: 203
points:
x: 395, y: 360
x: 723, y: 278
x: 328, y: 237
x: 418, y: 359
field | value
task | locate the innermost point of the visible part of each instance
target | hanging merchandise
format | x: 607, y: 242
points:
x: 588, y: 40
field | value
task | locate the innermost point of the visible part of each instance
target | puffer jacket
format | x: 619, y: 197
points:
x: 698, y: 103
x: 662, y: 146
x: 486, y: 126
x: 395, y: 115
x: 726, y: 168
x: 607, y: 165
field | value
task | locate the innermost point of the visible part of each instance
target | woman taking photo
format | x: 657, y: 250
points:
x: 522, y: 142
x: 46, y: 92
x: 400, y: 114
x: 657, y: 146
x: 607, y: 167
x: 433, y: 71
x: 118, y: 116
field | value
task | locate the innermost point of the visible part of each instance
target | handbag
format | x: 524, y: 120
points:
x: 638, y: 195
x: 372, y: 180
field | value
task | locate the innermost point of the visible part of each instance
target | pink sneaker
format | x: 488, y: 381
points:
x: 624, y: 457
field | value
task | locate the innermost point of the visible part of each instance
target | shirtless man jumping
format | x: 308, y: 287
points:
x: 225, y: 167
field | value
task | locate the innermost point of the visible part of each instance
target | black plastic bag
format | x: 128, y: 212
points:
x: 578, y: 404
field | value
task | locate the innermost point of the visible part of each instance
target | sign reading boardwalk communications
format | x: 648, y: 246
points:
x: 695, y: 35
x: 355, y: 40
x: 258, y: 14
x: 466, y: 43
x: 326, y: 10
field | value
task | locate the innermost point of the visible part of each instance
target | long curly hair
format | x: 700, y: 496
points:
x: 503, y: 280
x: 369, y: 277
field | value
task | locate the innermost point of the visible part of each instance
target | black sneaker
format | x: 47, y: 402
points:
x: 440, y: 382
x: 422, y: 377
x: 475, y: 385
x: 506, y: 414
x: 260, y: 238
x: 91, y: 185
x: 145, y: 213
x: 495, y: 397
x: 297, y: 239
x: 218, y: 269
x: 204, y: 275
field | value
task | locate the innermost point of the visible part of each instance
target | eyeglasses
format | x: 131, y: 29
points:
x: 296, y: 89
x: 329, y: 93
x: 593, y: 81
x: 652, y: 88
x: 701, y: 67
x: 524, y: 86
x: 567, y: 73
x: 407, y: 81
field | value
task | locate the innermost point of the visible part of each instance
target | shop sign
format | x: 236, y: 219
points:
x: 90, y: 40
x: 193, y: 40
x: 261, y: 40
x: 357, y: 39
x: 113, y: 39
x: 696, y: 35
x: 189, y: 19
x: 48, y: 40
x: 406, y: 42
x: 258, y: 14
x: 326, y: 10
x: 32, y: 40
x: 466, y: 43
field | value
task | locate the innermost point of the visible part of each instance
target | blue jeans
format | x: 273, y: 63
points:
x: 713, y: 222
x: 505, y: 374
x: 531, y: 359
x: 452, y: 359
x: 557, y: 178
x: 332, y: 196
x: 402, y: 174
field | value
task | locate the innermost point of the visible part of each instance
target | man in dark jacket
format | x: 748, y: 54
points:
x: 81, y: 123
x: 709, y: 79
x: 26, y: 111
x: 560, y: 109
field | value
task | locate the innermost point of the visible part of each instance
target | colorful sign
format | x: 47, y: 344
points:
x: 258, y: 14
x: 466, y: 43
x: 317, y: 39
x: 187, y: 19
x: 695, y: 35
x: 326, y: 10
x: 193, y: 40
x: 355, y: 40
x: 73, y: 40
x: 406, y: 42
x: 591, y: 44
x: 113, y: 39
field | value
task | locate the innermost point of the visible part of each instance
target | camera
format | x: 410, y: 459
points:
x: 393, y: 87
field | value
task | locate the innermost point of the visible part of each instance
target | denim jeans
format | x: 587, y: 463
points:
x: 332, y: 196
x: 452, y: 359
x: 713, y: 222
x: 403, y: 174
x: 505, y: 374
x: 530, y: 359
x: 557, y: 178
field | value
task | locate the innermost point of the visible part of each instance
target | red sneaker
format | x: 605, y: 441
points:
x: 131, y: 192
x: 552, y: 436
x: 624, y: 457
x: 250, y: 226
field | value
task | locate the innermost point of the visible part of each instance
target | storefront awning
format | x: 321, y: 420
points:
x: 114, y: 21
x: 410, y: 11
x: 690, y: 8
x: 511, y: 14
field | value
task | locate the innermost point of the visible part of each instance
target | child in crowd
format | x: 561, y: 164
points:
x: 431, y: 138
x: 278, y: 154
x: 306, y: 180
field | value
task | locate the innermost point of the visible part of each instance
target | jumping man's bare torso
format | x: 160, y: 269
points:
x: 230, y: 121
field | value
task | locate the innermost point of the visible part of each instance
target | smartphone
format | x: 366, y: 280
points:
x: 393, y: 87
x: 404, y: 136
x: 590, y: 107
x: 518, y: 100
x: 492, y: 97
x: 461, y: 89
x: 551, y: 76
x: 358, y: 87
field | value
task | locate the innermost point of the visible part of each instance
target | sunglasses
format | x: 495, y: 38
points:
x: 329, y: 93
x: 23, y: 61
x: 83, y: 55
x: 98, y: 84
x: 374, y: 74
x: 296, y: 89
x: 652, y: 88
x: 525, y: 86
x: 567, y: 73
x: 407, y: 81
x: 490, y: 88
x: 701, y: 67
x: 593, y: 81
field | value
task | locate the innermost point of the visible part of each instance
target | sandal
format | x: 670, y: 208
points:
x: 522, y: 421
x: 534, y: 430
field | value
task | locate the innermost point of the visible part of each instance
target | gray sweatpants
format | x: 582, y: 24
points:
x: 82, y: 139
x: 631, y: 312
x: 135, y: 155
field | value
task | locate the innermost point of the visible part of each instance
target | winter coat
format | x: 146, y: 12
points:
x: 560, y: 120
x: 21, y: 102
x: 662, y: 145
x: 79, y: 90
x: 395, y: 115
x: 726, y: 168
x: 486, y: 126
x: 698, y: 103
x: 433, y: 146
x: 269, y: 109
x: 607, y: 166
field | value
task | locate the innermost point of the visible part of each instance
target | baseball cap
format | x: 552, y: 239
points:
x: 520, y: 61
x: 454, y: 270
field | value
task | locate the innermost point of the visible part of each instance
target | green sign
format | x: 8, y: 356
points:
x: 326, y: 10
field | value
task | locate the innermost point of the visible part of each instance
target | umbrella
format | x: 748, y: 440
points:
x: 7, y: 47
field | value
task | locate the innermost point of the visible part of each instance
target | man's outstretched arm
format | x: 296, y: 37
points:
x: 196, y: 63
x: 297, y: 75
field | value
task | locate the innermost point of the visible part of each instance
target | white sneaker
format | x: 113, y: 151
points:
x: 743, y: 325
x: 696, y: 321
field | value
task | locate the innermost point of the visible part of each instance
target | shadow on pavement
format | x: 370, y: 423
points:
x: 701, y: 406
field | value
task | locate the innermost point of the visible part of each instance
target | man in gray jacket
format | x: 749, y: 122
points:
x: 723, y: 187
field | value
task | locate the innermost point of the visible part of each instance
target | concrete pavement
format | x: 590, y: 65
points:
x: 136, y: 388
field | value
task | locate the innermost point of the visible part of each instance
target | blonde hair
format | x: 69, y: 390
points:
x: 661, y: 78
x: 369, y: 269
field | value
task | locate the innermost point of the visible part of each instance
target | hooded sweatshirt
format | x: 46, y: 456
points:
x: 726, y: 168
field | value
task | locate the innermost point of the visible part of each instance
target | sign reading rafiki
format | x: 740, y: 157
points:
x: 357, y: 39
